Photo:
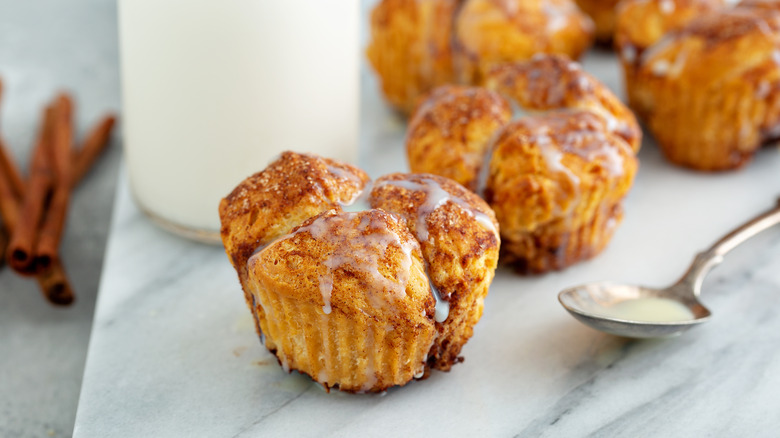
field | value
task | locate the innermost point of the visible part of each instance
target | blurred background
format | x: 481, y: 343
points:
x: 47, y: 46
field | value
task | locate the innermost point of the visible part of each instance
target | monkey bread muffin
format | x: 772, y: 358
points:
x: 359, y: 298
x: 417, y: 45
x: 555, y: 175
x: 603, y: 14
x: 705, y: 78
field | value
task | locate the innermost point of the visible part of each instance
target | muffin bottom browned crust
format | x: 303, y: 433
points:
x: 552, y: 247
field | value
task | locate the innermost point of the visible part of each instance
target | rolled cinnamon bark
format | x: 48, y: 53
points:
x: 94, y: 145
x: 21, y: 249
x: 3, y: 243
x: 12, y: 172
x: 53, y: 284
x: 60, y: 149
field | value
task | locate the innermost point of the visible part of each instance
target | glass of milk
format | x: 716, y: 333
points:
x: 214, y: 90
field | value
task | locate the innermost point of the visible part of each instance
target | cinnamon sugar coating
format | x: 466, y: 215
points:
x: 603, y: 14
x: 417, y: 45
x: 709, y: 88
x: 556, y: 176
x: 556, y: 182
x: 411, y: 49
x: 461, y: 253
x: 451, y: 129
x: 492, y: 32
x: 351, y: 298
x: 554, y: 82
x: 355, y: 334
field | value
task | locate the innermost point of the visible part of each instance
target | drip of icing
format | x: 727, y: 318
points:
x: 557, y: 17
x: 660, y: 67
x: 484, y: 168
x: 363, y: 254
x: 553, y: 158
x: 442, y: 309
x: 664, y: 43
x: 600, y: 148
x: 629, y: 53
x: 360, y: 202
x: 667, y: 6
x: 663, y: 67
x: 435, y: 197
x: 344, y: 174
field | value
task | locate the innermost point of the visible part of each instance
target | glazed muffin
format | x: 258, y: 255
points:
x: 417, y: 45
x: 493, y: 32
x: 602, y: 12
x: 710, y: 91
x: 555, y: 176
x: 554, y: 82
x: 450, y: 130
x: 410, y: 48
x: 360, y: 299
x: 640, y: 24
x: 556, y: 183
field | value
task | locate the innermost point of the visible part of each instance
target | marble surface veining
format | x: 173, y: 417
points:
x: 174, y: 353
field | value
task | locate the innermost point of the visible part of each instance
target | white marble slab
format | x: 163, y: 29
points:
x: 173, y: 351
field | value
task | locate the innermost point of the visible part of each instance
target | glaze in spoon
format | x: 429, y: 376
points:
x: 643, y: 312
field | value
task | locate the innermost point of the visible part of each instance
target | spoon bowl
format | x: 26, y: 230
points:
x: 591, y: 305
x: 643, y: 312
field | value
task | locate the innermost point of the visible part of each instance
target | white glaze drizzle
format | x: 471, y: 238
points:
x: 442, y: 309
x: 553, y: 158
x: 360, y: 202
x: 363, y: 254
x: 435, y: 197
x: 484, y: 169
x: 666, y: 6
x: 660, y: 67
x: 629, y: 53
x: 557, y: 16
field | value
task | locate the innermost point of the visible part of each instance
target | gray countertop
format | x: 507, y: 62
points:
x: 45, y: 46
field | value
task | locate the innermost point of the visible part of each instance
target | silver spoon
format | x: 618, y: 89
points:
x: 593, y: 303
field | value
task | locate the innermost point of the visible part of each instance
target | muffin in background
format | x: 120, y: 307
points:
x: 555, y: 176
x: 417, y: 45
x: 709, y: 88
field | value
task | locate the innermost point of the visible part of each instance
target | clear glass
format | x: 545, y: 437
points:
x: 214, y: 90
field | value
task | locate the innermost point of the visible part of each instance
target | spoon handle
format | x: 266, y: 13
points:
x: 713, y: 256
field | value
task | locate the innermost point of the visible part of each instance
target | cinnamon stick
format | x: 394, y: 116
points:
x: 9, y: 200
x: 60, y: 150
x: 94, y: 145
x: 54, y: 284
x: 5, y: 162
x: 15, y: 178
x: 3, y: 243
x: 20, y: 254
x: 61, y: 144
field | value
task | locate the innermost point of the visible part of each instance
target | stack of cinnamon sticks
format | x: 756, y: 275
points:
x: 34, y: 210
